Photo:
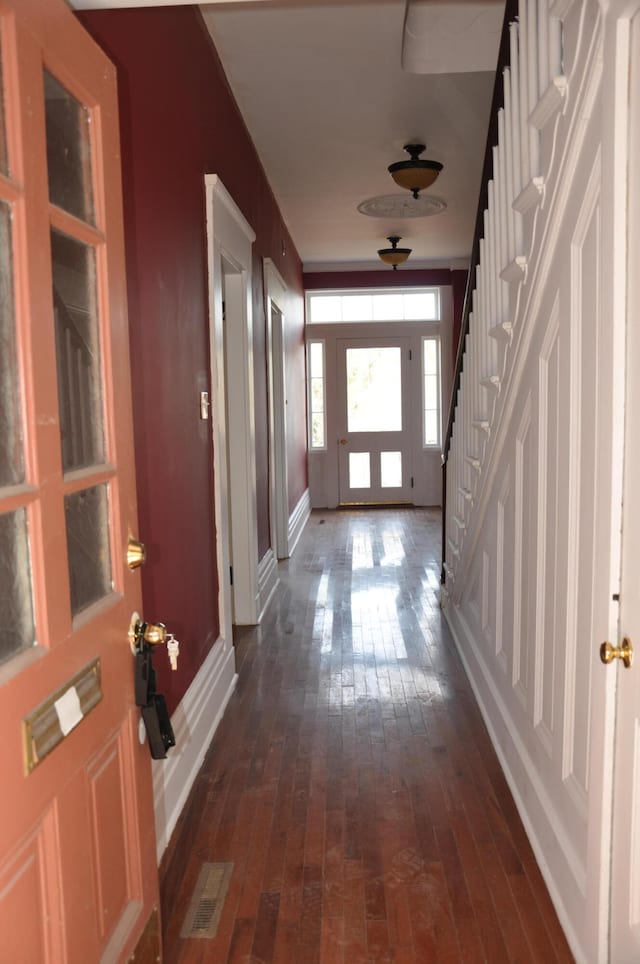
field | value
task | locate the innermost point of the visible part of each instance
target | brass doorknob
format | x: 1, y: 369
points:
x: 342, y: 441
x: 625, y: 652
x: 154, y: 633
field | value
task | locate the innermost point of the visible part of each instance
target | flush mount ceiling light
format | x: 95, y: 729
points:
x: 394, y: 255
x: 415, y: 174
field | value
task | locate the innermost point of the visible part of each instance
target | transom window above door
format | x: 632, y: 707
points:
x: 416, y: 304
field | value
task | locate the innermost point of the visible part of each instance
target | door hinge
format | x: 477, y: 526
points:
x: 411, y: 481
x: 410, y: 355
x: 231, y: 575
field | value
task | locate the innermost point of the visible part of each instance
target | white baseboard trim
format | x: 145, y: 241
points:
x: 194, y: 723
x: 298, y: 520
x: 268, y: 579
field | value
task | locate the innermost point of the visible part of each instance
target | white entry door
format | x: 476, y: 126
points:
x: 374, y: 451
x: 625, y: 867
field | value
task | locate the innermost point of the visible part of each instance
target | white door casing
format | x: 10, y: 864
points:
x: 276, y: 294
x: 625, y: 862
x: 230, y: 238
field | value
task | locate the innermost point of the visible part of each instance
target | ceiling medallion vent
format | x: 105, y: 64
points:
x: 415, y: 175
x: 401, y: 206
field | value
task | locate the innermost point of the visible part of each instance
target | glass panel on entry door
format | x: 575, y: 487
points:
x: 87, y: 517
x: 16, y: 605
x: 78, y: 352
x: 359, y: 470
x: 68, y: 151
x: 78, y: 345
x: 4, y: 153
x: 374, y: 390
x: 391, y: 470
x: 11, y: 457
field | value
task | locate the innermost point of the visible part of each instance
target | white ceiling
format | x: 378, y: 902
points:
x: 329, y: 106
x: 331, y: 91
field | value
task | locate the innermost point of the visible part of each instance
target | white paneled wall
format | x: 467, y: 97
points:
x: 529, y: 481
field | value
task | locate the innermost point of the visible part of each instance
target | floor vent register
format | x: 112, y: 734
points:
x: 205, y: 908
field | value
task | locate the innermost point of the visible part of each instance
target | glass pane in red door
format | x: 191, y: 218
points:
x: 4, y: 158
x: 87, y: 518
x: 11, y: 457
x: 16, y: 605
x: 78, y: 352
x: 68, y: 151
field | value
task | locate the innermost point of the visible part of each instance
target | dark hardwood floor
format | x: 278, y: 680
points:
x: 351, y: 780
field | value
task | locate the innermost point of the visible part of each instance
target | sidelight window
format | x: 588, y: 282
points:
x: 431, y: 405
x: 317, y: 395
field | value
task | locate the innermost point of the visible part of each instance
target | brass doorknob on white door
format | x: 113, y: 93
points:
x: 625, y: 652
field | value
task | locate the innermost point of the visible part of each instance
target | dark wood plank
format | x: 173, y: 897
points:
x: 352, y: 781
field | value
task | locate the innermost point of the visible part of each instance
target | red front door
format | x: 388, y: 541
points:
x: 78, y: 878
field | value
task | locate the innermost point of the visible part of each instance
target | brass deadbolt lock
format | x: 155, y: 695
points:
x: 136, y: 554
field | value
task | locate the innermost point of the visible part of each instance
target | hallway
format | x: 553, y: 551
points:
x: 351, y: 781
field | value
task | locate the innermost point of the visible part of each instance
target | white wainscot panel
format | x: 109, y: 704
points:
x: 504, y: 573
x: 473, y: 595
x: 525, y: 555
x: 550, y: 594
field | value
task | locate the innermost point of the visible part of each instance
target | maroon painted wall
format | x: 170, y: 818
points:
x: 179, y: 122
x: 384, y: 278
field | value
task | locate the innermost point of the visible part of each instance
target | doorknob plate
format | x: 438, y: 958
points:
x: 132, y: 632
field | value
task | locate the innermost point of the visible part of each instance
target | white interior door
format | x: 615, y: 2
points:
x: 374, y: 422
x: 625, y: 889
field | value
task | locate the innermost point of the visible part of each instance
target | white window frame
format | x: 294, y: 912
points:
x: 438, y: 373
x: 350, y: 292
x: 310, y: 410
